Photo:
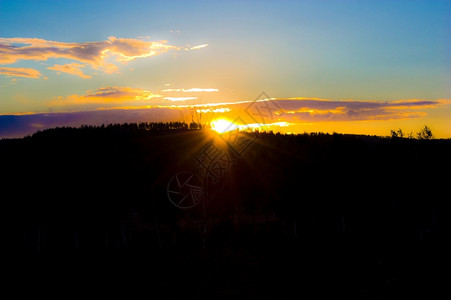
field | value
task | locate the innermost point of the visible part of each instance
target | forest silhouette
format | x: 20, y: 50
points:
x: 295, y: 215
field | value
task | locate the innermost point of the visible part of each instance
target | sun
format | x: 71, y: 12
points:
x: 223, y: 125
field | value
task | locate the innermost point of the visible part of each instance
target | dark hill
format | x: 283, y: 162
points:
x: 278, y: 215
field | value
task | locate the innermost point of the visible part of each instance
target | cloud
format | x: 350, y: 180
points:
x: 130, y: 49
x: 195, y: 90
x: 12, y: 126
x: 174, y: 99
x: 97, y: 54
x: 198, y: 47
x: 191, y: 90
x: 213, y: 110
x: 322, y: 110
x: 73, y: 69
x: 308, y: 110
x: 109, y: 94
x: 286, y: 111
x: 20, y: 72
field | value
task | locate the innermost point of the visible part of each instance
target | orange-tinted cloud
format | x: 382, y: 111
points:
x: 175, y: 99
x: 266, y: 111
x: 94, y: 54
x: 287, y: 112
x: 130, y: 49
x: 20, y: 72
x: 73, y: 69
x: 322, y: 110
x: 191, y: 90
x: 105, y: 95
x: 302, y: 110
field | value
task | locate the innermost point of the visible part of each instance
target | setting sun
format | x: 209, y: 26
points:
x: 223, y: 125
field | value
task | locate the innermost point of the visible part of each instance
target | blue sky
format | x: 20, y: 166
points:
x: 334, y: 50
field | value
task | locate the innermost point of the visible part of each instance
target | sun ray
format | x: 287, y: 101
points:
x: 223, y: 125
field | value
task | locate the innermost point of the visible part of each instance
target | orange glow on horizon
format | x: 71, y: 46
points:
x: 223, y: 125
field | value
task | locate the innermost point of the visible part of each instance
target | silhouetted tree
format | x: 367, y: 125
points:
x: 396, y: 133
x: 194, y: 125
x: 425, y: 133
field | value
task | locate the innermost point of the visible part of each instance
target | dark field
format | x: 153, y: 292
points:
x: 279, y: 216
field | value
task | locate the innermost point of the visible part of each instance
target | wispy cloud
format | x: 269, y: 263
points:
x: 97, y: 54
x: 73, y: 69
x: 293, y: 110
x: 105, y: 95
x: 20, y: 72
x: 287, y: 112
x: 198, y: 47
x: 314, y: 110
x: 308, y: 110
x: 191, y: 90
x: 175, y: 99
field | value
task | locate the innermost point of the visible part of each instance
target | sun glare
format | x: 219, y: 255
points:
x: 223, y: 125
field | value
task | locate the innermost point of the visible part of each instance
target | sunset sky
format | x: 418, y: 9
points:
x: 361, y: 67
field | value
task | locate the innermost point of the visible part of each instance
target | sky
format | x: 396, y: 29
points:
x: 362, y: 67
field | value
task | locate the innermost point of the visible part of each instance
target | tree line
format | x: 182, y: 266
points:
x: 424, y: 134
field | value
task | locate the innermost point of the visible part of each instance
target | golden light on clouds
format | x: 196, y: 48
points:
x: 109, y: 94
x: 20, y: 72
x: 131, y: 49
x: 273, y: 110
x: 73, y: 69
x: 99, y: 55
x: 191, y: 90
x: 213, y: 110
x: 175, y: 99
